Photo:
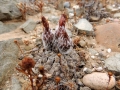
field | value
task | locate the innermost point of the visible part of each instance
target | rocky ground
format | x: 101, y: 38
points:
x: 93, y: 63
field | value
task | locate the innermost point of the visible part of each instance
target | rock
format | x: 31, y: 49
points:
x: 8, y: 58
x: 84, y: 88
x: 84, y: 26
x: 92, y: 51
x: 99, y: 81
x: 79, y: 82
x: 117, y: 15
x: 15, y: 84
x: 113, y: 63
x: 28, y: 26
x: 94, y: 18
x: 8, y: 27
x: 9, y: 11
x: 67, y: 5
x: 82, y: 43
x: 104, y: 35
x: 71, y: 15
x: 87, y: 70
x: 112, y: 9
x: 53, y: 19
x: 78, y: 10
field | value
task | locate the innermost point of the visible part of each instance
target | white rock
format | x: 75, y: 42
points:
x: 99, y: 69
x: 93, y: 57
x: 76, y: 6
x: 109, y: 50
x: 99, y: 81
x: 83, y: 24
x: 71, y: 15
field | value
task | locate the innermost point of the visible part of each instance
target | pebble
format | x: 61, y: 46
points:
x: 99, y: 81
x: 87, y: 70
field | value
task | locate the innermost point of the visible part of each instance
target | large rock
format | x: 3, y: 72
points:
x: 8, y: 27
x: 8, y: 58
x: 28, y: 26
x: 108, y: 35
x: 113, y: 63
x: 15, y: 84
x: 99, y: 81
x: 9, y: 11
x: 84, y: 26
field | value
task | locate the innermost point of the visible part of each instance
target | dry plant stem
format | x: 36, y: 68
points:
x: 16, y: 42
x: 22, y: 71
x: 74, y: 15
x: 36, y: 32
x: 30, y: 77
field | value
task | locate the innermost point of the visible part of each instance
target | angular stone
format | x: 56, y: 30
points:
x: 9, y: 11
x: 8, y: 27
x: 84, y: 26
x: 28, y: 26
x: 113, y: 63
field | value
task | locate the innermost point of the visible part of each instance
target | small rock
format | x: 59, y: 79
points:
x: 87, y: 70
x: 113, y: 63
x: 28, y: 26
x: 109, y: 50
x: 79, y: 82
x: 85, y: 88
x: 94, y: 18
x: 78, y: 10
x: 84, y: 26
x: 112, y: 9
x: 67, y: 5
x: 117, y: 15
x: 99, y: 81
x: 71, y: 15
x: 99, y: 69
x: 92, y: 51
x: 82, y: 43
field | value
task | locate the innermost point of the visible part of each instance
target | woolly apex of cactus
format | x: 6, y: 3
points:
x: 62, y: 20
x: 45, y: 23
